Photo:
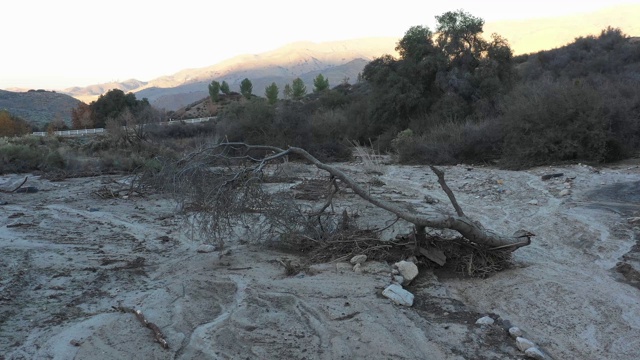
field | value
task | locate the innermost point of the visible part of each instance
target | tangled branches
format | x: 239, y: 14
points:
x: 224, y: 186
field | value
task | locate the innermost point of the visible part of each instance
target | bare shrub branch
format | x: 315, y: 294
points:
x: 223, y: 181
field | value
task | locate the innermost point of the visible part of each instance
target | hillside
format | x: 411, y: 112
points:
x: 532, y: 35
x: 335, y: 60
x: 38, y: 107
x: 180, y: 96
x: 90, y: 93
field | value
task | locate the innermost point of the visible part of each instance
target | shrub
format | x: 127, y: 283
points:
x: 555, y: 121
x: 451, y: 143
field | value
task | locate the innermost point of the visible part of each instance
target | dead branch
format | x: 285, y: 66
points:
x: 157, y: 333
x: 447, y: 190
x: 469, y: 229
x: 16, y: 189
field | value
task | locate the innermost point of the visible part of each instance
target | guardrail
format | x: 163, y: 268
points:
x: 80, y: 132
x: 83, y: 132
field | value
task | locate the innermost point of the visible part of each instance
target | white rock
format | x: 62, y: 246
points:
x: 485, y: 320
x: 408, y: 270
x: 535, y: 353
x: 398, y: 295
x: 206, y: 248
x: 515, y: 332
x: 358, y: 259
x: 357, y: 268
x: 565, y: 192
x: 523, y: 344
x: 395, y: 272
x: 398, y: 279
x: 533, y: 202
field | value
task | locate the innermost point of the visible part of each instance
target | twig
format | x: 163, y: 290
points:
x: 329, y: 197
x: 160, y: 338
x: 447, y: 190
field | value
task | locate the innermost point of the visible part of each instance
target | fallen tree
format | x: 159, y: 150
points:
x: 225, y: 180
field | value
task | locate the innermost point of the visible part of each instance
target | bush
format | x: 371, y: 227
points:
x: 551, y: 122
x: 451, y: 143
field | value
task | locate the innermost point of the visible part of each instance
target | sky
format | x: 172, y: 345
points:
x: 57, y: 44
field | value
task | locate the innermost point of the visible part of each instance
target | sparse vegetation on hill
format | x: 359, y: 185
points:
x: 38, y: 107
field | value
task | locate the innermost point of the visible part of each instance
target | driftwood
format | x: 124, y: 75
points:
x: 469, y: 229
x: 16, y: 189
x: 157, y: 333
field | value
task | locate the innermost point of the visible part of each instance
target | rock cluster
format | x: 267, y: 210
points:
x: 402, y: 273
x: 525, y: 345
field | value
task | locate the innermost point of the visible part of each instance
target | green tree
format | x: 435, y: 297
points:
x: 224, y: 87
x: 460, y: 38
x: 271, y: 92
x: 298, y: 89
x: 452, y: 78
x: 416, y: 43
x: 287, y: 92
x: 246, y: 88
x: 320, y: 84
x: 214, y: 90
x: 114, y: 102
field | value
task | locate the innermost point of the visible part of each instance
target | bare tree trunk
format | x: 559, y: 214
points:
x: 471, y: 230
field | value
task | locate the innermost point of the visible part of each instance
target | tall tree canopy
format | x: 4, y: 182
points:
x: 298, y: 89
x: 224, y: 87
x: 320, y: 84
x: 214, y: 90
x: 271, y: 92
x: 448, y: 76
x: 246, y: 88
x: 113, y: 103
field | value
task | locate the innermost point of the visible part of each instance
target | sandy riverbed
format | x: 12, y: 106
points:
x: 67, y: 257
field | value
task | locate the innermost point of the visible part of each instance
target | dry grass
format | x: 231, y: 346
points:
x: 371, y: 159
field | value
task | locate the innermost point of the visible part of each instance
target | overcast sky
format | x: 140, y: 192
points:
x: 53, y: 44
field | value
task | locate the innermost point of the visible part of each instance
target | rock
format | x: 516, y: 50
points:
x: 485, y: 320
x: 515, y: 332
x: 565, y: 192
x: 395, y: 272
x: 206, y: 248
x: 533, y: 202
x: 358, y: 259
x: 398, y: 295
x: 357, y: 268
x: 407, y: 269
x: 523, y: 344
x: 535, y: 353
x: 398, y: 279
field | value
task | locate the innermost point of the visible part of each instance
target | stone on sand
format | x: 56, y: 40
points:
x: 407, y: 269
x: 398, y: 295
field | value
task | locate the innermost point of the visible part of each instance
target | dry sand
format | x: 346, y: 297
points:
x: 67, y: 257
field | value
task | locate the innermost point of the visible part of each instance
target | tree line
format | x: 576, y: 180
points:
x: 295, y: 91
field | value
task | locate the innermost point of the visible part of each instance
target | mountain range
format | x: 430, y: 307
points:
x: 340, y: 60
